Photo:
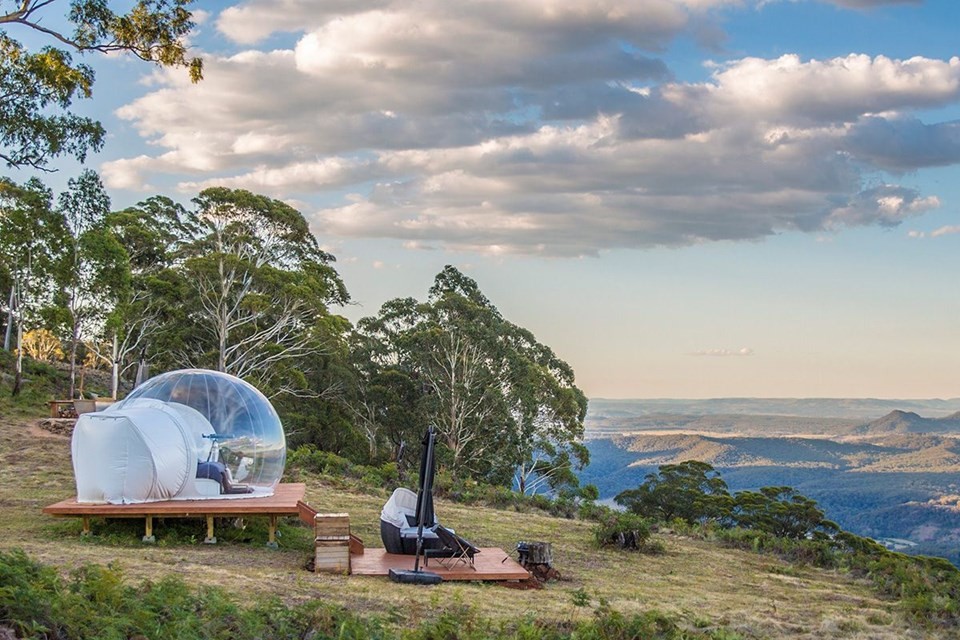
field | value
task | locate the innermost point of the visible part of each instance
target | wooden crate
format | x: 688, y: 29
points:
x: 332, y: 554
x: 331, y: 524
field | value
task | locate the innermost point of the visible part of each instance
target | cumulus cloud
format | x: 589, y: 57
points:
x: 886, y: 206
x: 902, y: 144
x: 945, y: 231
x: 745, y: 351
x: 835, y: 90
x: 542, y: 127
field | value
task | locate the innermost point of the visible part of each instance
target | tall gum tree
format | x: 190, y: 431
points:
x: 32, y: 240
x: 153, y: 233
x: 504, y: 406
x: 259, y: 286
x: 94, y: 272
x: 38, y: 88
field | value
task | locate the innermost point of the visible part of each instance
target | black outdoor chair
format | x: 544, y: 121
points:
x: 454, y: 551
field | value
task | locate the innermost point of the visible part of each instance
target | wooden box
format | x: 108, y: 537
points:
x: 332, y: 524
x: 332, y: 554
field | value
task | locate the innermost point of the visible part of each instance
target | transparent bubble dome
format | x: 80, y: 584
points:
x: 246, y: 434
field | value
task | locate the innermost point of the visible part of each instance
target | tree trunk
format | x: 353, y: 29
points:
x: 222, y: 346
x: 535, y: 553
x: 18, y: 376
x: 115, y: 369
x: 74, y: 339
x: 9, y: 332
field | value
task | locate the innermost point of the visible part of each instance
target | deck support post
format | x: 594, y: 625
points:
x: 210, y: 539
x: 148, y: 536
x: 86, y: 526
x: 272, y: 537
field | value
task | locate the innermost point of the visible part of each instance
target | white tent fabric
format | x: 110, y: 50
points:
x: 184, y: 435
x: 144, y: 452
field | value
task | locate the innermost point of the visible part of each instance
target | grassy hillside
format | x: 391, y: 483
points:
x: 698, y: 582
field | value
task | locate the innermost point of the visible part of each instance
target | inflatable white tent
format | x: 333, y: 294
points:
x: 185, y: 435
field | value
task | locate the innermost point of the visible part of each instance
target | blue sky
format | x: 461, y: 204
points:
x: 684, y: 198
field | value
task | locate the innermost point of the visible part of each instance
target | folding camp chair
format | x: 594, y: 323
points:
x: 455, y: 550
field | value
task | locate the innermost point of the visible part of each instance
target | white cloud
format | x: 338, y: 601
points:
x: 901, y: 144
x: 945, y: 231
x: 253, y: 21
x: 829, y: 91
x: 542, y: 127
x: 745, y: 351
x: 887, y: 206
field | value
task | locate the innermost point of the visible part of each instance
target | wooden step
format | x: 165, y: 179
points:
x: 307, y: 513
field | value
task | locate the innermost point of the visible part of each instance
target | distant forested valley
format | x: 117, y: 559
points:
x: 887, y: 469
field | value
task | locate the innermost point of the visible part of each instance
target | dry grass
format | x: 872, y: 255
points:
x: 705, y: 585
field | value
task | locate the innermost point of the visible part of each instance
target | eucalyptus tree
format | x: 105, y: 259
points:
x: 384, y: 401
x: 32, y: 240
x: 548, y: 409
x: 501, y: 402
x: 38, y: 87
x: 94, y: 272
x: 442, y: 349
x: 691, y: 490
x: 153, y: 233
x: 259, y: 287
x: 781, y: 511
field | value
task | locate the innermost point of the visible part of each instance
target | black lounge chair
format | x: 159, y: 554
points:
x: 455, y: 549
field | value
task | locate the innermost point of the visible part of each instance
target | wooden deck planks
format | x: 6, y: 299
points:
x: 282, y: 502
x: 490, y: 564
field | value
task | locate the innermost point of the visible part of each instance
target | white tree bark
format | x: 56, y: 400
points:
x: 283, y: 322
x: 9, y: 332
x: 455, y: 376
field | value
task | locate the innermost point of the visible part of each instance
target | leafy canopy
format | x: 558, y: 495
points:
x: 504, y: 405
x: 37, y: 88
x: 692, y: 491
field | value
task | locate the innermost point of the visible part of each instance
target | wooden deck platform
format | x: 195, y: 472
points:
x: 490, y: 564
x: 284, y: 502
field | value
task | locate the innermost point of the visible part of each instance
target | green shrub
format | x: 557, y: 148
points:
x: 623, y: 530
x: 594, y: 511
x: 310, y: 458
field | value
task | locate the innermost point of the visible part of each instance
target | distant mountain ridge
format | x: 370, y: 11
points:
x: 898, y: 421
x: 880, y: 452
x: 850, y: 408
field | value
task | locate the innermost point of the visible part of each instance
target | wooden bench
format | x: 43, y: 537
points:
x: 62, y: 409
x: 73, y: 408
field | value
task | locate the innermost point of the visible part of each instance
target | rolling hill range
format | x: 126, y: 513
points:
x: 893, y: 477
x: 854, y: 408
x: 909, y: 422
x: 927, y: 453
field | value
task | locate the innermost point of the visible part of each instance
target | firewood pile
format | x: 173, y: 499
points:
x: 59, y: 426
